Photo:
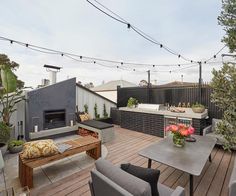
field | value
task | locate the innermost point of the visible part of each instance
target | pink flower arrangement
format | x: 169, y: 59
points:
x: 180, y: 130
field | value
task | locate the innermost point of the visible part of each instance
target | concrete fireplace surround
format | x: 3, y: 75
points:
x: 59, y: 96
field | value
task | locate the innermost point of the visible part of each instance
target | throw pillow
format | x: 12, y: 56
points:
x: 39, y: 148
x: 147, y: 174
x: 84, y: 117
x: 77, y: 114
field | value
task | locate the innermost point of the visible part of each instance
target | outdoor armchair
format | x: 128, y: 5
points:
x: 123, y: 183
x: 210, y: 131
x: 1, y: 161
x: 232, y: 182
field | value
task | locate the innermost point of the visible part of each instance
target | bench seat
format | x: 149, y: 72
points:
x: 105, y: 131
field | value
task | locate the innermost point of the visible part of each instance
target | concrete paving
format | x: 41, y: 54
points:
x: 49, y: 173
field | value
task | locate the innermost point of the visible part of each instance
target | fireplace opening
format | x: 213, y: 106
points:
x: 54, y: 119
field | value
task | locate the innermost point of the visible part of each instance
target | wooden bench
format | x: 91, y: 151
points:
x: 91, y: 145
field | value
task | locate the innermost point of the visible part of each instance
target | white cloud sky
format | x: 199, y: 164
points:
x: 189, y: 27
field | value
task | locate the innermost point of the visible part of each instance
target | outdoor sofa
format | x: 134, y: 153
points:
x: 108, y: 179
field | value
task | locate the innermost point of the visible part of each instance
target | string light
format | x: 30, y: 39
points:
x: 93, y: 59
x: 141, y: 33
x: 52, y: 51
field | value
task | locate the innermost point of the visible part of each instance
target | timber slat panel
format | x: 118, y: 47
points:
x: 212, y: 181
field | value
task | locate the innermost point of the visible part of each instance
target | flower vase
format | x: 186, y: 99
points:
x: 178, y: 141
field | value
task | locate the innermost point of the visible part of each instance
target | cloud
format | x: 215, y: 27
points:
x: 188, y: 27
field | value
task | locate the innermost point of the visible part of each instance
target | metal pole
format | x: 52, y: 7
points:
x: 148, y: 86
x: 200, y: 82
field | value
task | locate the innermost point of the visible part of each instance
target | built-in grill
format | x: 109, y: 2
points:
x: 54, y: 119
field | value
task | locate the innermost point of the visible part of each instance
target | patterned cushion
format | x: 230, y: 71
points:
x: 39, y: 148
x: 84, y: 117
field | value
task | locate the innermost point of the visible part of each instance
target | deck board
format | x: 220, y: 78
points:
x: 213, y: 180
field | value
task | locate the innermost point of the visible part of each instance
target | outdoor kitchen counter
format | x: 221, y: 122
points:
x: 187, y: 114
x: 153, y: 122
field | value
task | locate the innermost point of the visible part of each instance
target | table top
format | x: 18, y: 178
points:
x: 191, y: 158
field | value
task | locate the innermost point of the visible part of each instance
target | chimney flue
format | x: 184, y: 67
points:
x: 52, y: 72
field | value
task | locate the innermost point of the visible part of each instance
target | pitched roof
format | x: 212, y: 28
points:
x: 176, y: 83
x: 112, y: 85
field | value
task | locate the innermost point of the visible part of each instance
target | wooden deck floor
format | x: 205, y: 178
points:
x: 213, y: 181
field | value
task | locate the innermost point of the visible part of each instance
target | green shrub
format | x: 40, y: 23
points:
x: 198, y: 105
x: 105, y: 114
x: 14, y: 143
x: 5, y: 133
x: 224, y: 96
x: 132, y: 102
x: 86, y: 108
x: 96, y: 111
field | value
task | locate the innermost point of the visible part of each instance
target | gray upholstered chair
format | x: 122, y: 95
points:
x: 108, y: 179
x: 1, y: 161
x: 210, y: 131
x: 232, y: 181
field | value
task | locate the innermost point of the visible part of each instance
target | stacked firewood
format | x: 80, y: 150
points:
x: 84, y: 132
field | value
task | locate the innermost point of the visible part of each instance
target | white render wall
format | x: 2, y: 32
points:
x: 112, y: 95
x: 85, y: 97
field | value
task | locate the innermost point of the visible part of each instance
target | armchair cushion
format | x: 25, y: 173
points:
x: 130, y: 183
x: 147, y: 174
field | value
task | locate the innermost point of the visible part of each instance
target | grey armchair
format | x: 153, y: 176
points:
x: 210, y: 131
x: 232, y: 182
x: 108, y: 179
x: 1, y: 161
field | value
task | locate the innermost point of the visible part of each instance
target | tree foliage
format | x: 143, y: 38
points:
x: 224, y: 96
x: 4, y: 60
x: 227, y: 19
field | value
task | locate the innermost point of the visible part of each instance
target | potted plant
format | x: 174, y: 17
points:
x: 198, y: 108
x: 15, y: 146
x: 132, y: 102
x: 9, y: 96
x: 5, y: 132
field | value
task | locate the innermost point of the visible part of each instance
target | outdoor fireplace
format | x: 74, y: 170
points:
x: 54, y: 119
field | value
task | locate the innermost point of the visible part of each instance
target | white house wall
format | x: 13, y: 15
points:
x: 83, y: 97
x: 112, y: 95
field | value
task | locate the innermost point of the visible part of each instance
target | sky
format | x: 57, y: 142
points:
x: 188, y: 27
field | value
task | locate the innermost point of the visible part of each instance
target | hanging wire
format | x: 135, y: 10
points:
x: 52, y: 51
x: 142, y: 34
x: 94, y: 60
